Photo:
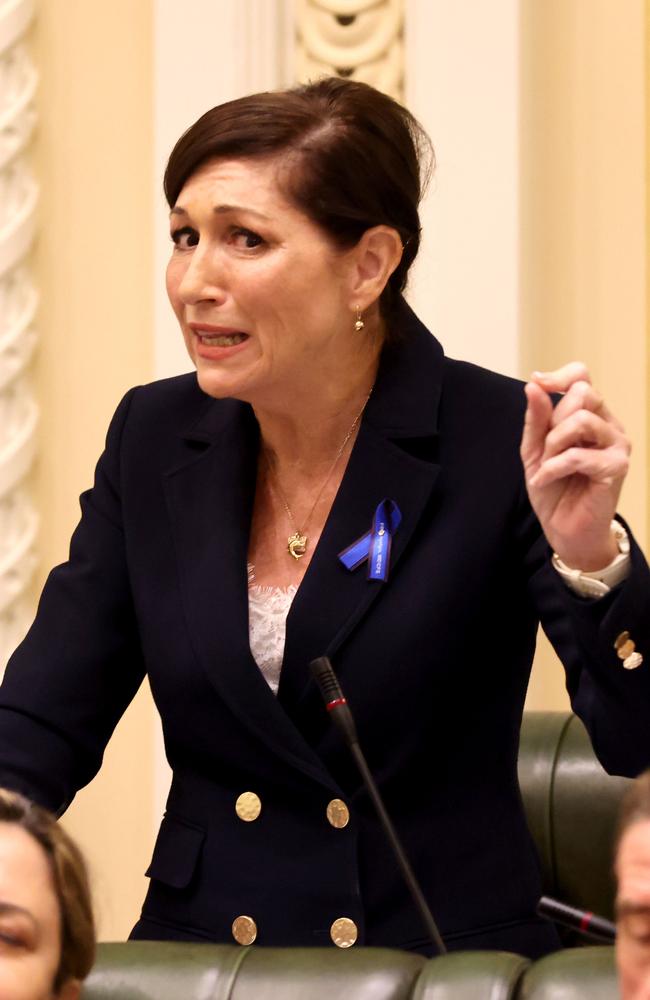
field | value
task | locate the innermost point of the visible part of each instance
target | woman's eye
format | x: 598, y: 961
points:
x: 185, y: 238
x: 637, y: 927
x: 10, y: 939
x: 246, y: 239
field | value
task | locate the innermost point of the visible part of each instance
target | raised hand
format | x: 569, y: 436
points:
x: 575, y: 457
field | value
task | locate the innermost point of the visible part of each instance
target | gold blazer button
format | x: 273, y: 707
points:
x: 244, y: 930
x: 248, y: 806
x: 338, y: 814
x: 344, y: 932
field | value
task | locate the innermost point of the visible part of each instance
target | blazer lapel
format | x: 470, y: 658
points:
x: 210, y: 500
x: 394, y: 457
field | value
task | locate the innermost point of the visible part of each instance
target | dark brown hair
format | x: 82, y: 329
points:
x: 70, y: 880
x: 355, y: 158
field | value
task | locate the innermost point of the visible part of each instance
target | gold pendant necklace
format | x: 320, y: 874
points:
x: 297, y: 542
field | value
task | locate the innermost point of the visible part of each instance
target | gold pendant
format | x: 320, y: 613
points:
x: 297, y: 545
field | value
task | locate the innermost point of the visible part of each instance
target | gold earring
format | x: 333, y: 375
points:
x: 358, y: 324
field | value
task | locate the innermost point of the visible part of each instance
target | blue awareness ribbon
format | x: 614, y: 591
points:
x: 375, y: 545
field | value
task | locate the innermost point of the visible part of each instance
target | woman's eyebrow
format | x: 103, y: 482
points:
x: 12, y: 910
x: 222, y: 210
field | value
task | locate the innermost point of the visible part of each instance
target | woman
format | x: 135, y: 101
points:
x: 47, y: 939
x: 214, y: 553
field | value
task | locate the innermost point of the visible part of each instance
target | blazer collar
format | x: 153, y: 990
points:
x: 406, y: 397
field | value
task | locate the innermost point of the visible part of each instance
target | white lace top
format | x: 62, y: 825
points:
x: 268, y: 608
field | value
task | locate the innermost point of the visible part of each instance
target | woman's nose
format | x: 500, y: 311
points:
x: 203, y: 279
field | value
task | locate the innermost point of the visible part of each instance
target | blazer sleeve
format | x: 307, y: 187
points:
x: 72, y: 677
x: 614, y: 703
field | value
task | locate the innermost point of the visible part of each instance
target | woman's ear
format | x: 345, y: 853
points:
x: 376, y: 256
x: 71, y: 990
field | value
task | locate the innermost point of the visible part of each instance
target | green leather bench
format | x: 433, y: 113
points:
x: 149, y: 970
x: 571, y: 806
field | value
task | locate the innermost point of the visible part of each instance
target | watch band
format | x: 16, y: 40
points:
x: 600, y: 581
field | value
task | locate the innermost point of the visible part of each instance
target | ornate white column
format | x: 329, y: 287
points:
x: 358, y: 39
x: 18, y: 410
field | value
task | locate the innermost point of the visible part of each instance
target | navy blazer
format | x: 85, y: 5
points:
x: 434, y: 663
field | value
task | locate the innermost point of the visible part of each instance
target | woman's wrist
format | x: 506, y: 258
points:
x: 598, y: 582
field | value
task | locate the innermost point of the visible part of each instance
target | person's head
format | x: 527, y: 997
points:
x: 290, y: 210
x: 47, y: 935
x: 632, y: 867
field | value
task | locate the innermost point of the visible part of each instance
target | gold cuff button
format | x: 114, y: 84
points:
x: 344, y: 932
x: 625, y: 650
x: 248, y: 806
x: 338, y: 814
x: 244, y: 930
x: 620, y: 640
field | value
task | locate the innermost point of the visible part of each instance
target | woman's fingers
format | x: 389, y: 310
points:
x: 577, y: 436
x: 562, y: 378
x: 581, y: 396
x: 582, y: 429
x: 574, y: 381
x: 605, y: 466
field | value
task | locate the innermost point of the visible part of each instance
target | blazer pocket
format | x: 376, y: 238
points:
x: 176, y: 852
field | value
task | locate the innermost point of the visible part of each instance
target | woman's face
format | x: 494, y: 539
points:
x: 262, y: 296
x: 633, y: 911
x: 30, y: 923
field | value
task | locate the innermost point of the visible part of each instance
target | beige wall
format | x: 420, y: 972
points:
x: 584, y: 229
x: 93, y: 267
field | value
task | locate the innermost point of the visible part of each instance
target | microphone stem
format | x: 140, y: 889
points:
x: 401, y: 858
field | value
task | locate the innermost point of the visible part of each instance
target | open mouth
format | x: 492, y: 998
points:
x: 222, y: 339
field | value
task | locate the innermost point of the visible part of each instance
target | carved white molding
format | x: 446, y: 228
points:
x: 357, y: 39
x: 18, y: 299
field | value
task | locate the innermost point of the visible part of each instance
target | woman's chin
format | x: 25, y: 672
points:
x: 219, y: 385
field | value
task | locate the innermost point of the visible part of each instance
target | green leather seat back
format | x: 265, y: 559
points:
x: 471, y: 975
x: 571, y: 806
x: 151, y: 970
x: 585, y: 805
x: 163, y: 970
x: 574, y: 974
x: 539, y: 745
x: 326, y: 973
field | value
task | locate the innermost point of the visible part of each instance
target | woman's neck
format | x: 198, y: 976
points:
x: 304, y: 432
x: 304, y: 424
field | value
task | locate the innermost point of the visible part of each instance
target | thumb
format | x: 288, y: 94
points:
x: 537, y: 423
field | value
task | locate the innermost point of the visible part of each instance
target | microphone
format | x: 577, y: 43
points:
x: 582, y: 921
x: 341, y: 716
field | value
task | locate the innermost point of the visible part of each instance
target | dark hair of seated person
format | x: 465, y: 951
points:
x: 351, y: 158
